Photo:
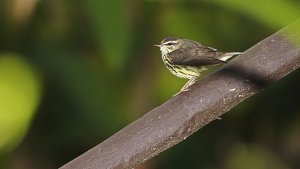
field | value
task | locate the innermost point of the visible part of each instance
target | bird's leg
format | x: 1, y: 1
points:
x: 188, y: 84
x: 185, y: 87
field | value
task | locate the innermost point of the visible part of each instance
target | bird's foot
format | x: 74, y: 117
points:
x: 182, y: 90
x: 188, y: 84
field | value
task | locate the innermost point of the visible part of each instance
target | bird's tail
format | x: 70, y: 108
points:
x: 229, y: 55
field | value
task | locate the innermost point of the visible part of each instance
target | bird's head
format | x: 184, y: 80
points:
x: 169, y: 45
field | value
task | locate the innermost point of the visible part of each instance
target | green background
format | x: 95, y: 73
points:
x: 74, y: 72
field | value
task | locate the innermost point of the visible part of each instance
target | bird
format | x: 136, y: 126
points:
x: 187, y: 58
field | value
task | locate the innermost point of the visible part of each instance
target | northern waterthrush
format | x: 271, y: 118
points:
x: 187, y: 59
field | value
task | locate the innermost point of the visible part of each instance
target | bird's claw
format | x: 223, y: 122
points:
x: 182, y: 90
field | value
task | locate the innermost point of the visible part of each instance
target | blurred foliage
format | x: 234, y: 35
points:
x: 20, y: 93
x: 113, y: 32
x: 254, y: 157
x: 274, y: 14
x: 100, y: 71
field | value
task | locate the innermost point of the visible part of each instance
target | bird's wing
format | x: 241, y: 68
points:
x: 197, y: 55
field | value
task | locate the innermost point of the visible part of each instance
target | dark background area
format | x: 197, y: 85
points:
x: 72, y: 73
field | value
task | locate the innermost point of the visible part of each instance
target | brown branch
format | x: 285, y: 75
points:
x: 181, y: 116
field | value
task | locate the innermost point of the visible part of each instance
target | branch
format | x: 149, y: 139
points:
x: 184, y: 114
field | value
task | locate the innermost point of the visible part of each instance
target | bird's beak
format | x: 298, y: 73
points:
x: 157, y: 45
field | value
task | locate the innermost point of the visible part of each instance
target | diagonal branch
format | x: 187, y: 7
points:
x: 181, y: 116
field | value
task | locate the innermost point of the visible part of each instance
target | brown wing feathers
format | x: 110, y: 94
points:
x: 195, y: 55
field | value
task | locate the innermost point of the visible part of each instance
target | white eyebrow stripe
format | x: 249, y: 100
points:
x: 171, y: 42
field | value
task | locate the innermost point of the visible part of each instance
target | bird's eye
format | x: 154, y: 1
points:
x: 169, y: 44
